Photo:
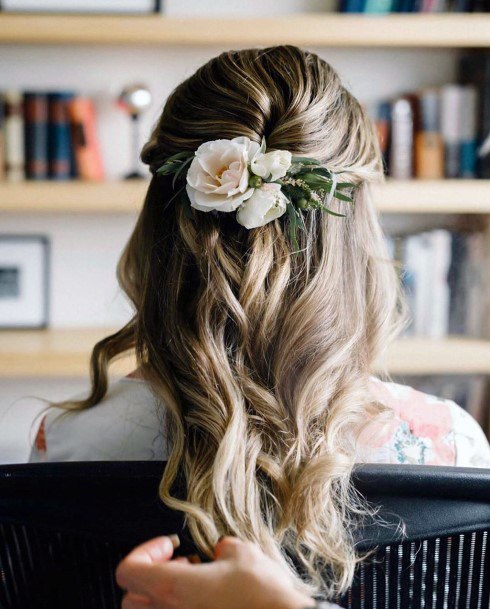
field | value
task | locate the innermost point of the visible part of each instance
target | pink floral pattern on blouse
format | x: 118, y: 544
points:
x: 422, y: 429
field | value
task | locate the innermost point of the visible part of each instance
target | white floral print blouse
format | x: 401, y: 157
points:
x: 129, y: 425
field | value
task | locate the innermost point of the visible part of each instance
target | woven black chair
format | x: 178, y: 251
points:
x: 65, y: 526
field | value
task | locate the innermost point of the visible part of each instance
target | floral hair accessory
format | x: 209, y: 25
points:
x: 239, y: 175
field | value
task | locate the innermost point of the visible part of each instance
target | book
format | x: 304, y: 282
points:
x: 2, y: 137
x: 451, y: 110
x: 85, y: 142
x: 383, y: 127
x: 456, y: 282
x: 438, y: 289
x: 60, y: 150
x: 418, y: 280
x: 429, y: 149
x: 36, y: 135
x: 354, y: 6
x: 401, y: 144
x: 469, y: 132
x: 378, y: 6
x: 14, y: 136
x: 81, y: 6
x: 474, y: 284
x: 474, y: 69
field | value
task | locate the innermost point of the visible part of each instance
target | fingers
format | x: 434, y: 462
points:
x: 136, y: 601
x: 137, y: 570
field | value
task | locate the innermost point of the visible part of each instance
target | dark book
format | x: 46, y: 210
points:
x: 480, y: 6
x: 405, y: 6
x: 457, y: 284
x: 36, y: 135
x: 354, y: 6
x: 474, y: 69
x: 60, y: 150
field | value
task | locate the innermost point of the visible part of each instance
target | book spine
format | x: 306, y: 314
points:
x: 84, y: 138
x: 469, y: 132
x: 474, y: 285
x: 457, y: 296
x: 354, y: 6
x: 451, y: 99
x: 401, y: 148
x: 429, y: 149
x: 14, y: 137
x: 36, y: 135
x: 378, y: 7
x: 439, y: 290
x: 383, y: 127
x: 59, y: 138
x: 2, y: 137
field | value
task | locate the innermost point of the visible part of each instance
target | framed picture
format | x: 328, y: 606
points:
x: 24, y: 281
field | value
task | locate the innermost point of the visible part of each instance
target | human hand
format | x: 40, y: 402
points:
x: 241, y: 577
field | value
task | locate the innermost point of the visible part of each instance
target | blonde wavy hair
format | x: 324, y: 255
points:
x: 260, y: 356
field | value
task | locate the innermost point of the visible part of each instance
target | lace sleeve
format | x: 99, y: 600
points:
x: 472, y: 447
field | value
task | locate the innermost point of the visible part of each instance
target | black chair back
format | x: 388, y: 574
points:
x: 65, y: 526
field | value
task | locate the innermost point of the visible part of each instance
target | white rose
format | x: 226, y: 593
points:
x: 266, y: 204
x: 273, y: 165
x: 218, y: 175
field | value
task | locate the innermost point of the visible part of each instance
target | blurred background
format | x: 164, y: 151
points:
x: 81, y: 83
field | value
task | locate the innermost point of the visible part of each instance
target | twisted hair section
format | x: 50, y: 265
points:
x: 262, y: 357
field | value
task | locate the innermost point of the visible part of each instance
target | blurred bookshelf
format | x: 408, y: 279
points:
x: 58, y: 353
x: 65, y: 353
x: 322, y: 29
x: 78, y: 197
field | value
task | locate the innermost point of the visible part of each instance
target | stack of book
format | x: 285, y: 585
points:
x: 80, y: 6
x: 48, y: 136
x: 445, y: 281
x: 414, y: 6
x: 440, y: 132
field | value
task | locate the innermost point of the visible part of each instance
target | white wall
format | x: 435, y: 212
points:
x: 85, y: 248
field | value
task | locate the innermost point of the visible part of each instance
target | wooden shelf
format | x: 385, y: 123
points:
x: 433, y: 196
x: 65, y: 353
x: 455, y: 355
x: 52, y: 353
x: 417, y: 196
x: 322, y: 29
x: 72, y: 197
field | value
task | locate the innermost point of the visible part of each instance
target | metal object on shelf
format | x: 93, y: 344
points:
x: 135, y: 99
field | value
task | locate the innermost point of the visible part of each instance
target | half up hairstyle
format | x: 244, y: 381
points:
x: 260, y: 356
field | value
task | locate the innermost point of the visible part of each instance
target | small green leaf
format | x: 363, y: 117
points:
x: 183, y: 165
x: 342, y: 197
x: 304, y: 160
x: 332, y: 213
x: 293, y: 224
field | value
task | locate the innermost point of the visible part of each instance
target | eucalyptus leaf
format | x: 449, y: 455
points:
x: 293, y: 224
x: 332, y: 213
x: 304, y: 160
x: 179, y: 171
x: 342, y: 197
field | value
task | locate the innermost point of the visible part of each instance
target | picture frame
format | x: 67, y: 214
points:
x: 24, y: 281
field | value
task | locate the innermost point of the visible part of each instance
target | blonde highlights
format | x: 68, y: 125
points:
x: 260, y: 357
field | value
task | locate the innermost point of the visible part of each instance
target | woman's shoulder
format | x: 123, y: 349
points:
x: 127, y: 424
x: 420, y: 428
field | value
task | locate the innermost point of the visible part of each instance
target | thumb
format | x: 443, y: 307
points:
x: 139, y: 564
